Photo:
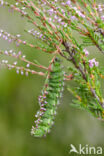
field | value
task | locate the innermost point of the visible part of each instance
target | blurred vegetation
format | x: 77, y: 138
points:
x: 18, y: 105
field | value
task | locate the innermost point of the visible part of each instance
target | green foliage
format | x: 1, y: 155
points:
x: 83, y: 93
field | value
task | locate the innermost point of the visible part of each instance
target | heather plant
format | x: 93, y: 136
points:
x: 64, y: 29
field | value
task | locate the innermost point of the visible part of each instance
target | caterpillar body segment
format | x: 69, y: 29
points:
x: 49, y: 100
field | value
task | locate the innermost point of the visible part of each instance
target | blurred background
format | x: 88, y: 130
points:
x: 19, y: 103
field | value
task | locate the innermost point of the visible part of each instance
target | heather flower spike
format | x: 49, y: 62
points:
x: 55, y: 25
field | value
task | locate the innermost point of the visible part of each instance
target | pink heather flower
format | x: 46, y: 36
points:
x: 96, y: 64
x: 68, y: 2
x: 100, y: 9
x: 15, y: 63
x: 86, y: 52
x: 93, y: 62
x: 28, y: 65
x: 73, y: 18
x: 6, y: 52
x: 24, y: 42
x: 102, y: 17
x: 18, y: 35
x: 51, y: 11
x: 17, y: 71
x: 40, y: 35
x: 19, y: 53
x: 22, y: 72
x: 50, y: 19
x: 16, y: 3
x: 79, y: 12
x: 59, y: 20
x: 2, y: 2
x: 63, y: 3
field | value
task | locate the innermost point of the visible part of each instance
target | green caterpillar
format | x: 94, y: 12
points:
x: 49, y: 100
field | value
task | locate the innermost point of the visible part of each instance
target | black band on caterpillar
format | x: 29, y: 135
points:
x: 49, y: 100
